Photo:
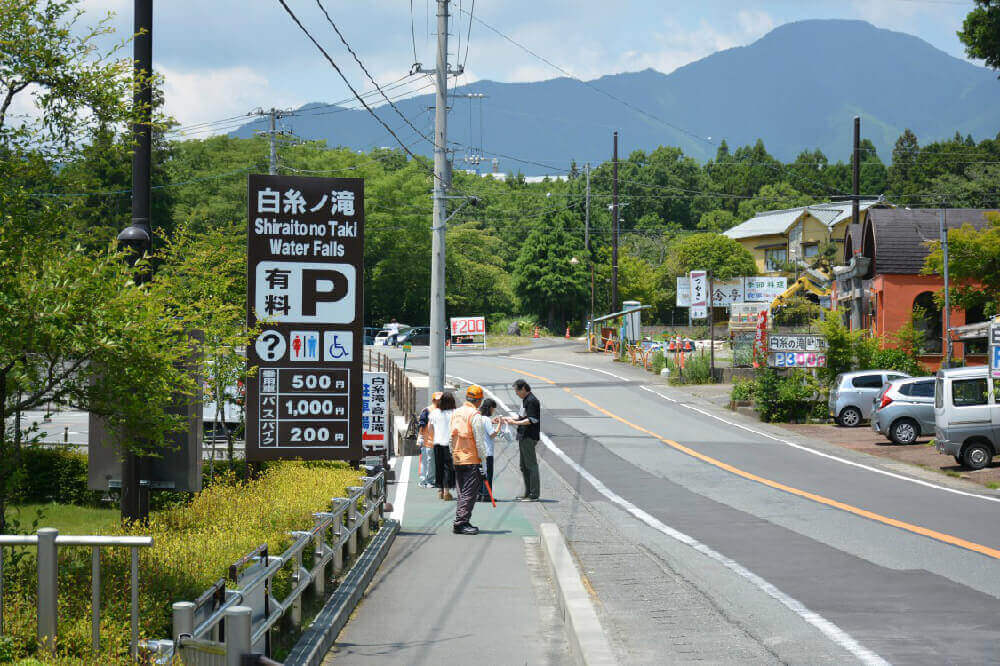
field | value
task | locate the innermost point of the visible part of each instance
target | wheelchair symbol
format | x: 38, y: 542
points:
x: 338, y: 346
x: 336, y: 350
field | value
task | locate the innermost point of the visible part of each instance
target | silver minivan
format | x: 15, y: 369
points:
x: 966, y: 416
x: 853, y: 393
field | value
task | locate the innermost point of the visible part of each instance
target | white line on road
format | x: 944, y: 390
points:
x: 402, y: 485
x: 845, y: 461
x: 829, y: 629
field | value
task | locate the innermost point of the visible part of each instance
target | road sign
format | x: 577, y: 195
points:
x: 995, y: 348
x: 304, y: 266
x: 407, y: 347
x: 375, y: 412
x: 699, y: 294
x: 796, y: 342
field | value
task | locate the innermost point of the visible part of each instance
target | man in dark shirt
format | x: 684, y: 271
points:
x: 528, y: 424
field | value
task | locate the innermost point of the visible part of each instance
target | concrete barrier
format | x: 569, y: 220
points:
x: 586, y: 635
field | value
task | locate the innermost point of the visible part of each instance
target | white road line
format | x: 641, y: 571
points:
x: 828, y: 629
x: 821, y: 454
x: 900, y: 477
x: 402, y: 485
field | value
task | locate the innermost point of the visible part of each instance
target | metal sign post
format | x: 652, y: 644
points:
x: 304, y: 279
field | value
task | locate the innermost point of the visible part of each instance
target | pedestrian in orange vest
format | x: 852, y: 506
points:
x: 468, y: 457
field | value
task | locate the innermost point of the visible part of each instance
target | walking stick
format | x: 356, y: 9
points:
x: 490, y: 491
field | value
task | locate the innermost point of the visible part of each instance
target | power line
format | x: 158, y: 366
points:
x: 395, y: 108
x: 468, y: 35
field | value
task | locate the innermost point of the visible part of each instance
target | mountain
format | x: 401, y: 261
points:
x: 798, y: 87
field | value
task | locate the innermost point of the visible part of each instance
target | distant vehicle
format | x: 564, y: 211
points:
x: 370, y: 332
x: 852, y: 394
x: 904, y: 410
x: 966, y: 416
x: 382, y: 336
x: 417, y: 335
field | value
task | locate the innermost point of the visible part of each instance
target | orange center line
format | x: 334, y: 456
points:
x: 820, y: 499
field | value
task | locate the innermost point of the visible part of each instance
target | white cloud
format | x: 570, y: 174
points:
x: 211, y: 94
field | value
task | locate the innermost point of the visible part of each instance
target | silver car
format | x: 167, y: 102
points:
x: 852, y: 394
x: 904, y: 410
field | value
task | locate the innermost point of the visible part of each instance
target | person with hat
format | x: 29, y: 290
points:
x: 468, y: 455
x: 425, y: 440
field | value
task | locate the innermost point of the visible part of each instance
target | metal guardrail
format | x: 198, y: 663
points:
x: 47, y: 541
x: 224, y: 625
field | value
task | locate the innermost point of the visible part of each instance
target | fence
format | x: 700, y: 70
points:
x: 401, y: 389
x: 47, y: 542
x: 225, y: 624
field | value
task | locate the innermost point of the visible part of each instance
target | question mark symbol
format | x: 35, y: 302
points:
x: 273, y: 342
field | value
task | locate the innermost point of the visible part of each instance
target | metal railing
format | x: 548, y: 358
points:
x: 226, y: 623
x: 47, y: 542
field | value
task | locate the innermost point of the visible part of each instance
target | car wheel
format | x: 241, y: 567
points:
x: 977, y: 455
x: 904, y: 431
x: 850, y: 417
x: 958, y: 459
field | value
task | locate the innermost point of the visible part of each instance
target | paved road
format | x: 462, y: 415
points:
x: 797, y: 551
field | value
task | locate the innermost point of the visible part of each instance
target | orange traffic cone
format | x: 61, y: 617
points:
x: 567, y: 332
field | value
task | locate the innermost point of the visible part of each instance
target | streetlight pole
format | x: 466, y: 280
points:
x: 137, y: 237
x: 590, y: 256
x: 614, y: 228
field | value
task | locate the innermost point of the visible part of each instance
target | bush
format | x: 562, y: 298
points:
x: 743, y: 390
x: 54, y: 475
x: 658, y: 362
x: 789, y: 399
x: 194, y: 546
x: 697, y: 369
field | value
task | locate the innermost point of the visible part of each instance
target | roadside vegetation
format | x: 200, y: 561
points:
x: 195, y: 542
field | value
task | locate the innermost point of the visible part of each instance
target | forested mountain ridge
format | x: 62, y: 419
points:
x: 796, y: 88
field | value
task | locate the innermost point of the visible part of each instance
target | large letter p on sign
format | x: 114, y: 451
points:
x: 321, y: 286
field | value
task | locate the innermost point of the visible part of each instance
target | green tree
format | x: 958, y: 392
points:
x: 981, y: 32
x: 717, y: 221
x: 478, y: 282
x: 973, y: 265
x: 775, y: 196
x: 721, y: 255
x: 545, y: 280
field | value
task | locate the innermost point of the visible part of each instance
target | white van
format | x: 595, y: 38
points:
x: 966, y: 416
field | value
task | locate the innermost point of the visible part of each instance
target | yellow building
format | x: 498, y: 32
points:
x: 776, y: 237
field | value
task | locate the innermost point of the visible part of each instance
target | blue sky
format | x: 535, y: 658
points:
x: 222, y: 58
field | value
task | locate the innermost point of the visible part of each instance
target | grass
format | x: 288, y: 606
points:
x: 66, y: 518
x: 493, y: 341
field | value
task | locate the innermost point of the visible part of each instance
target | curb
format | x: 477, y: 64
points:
x: 586, y: 636
x: 317, y: 640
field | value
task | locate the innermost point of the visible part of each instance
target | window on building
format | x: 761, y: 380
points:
x: 969, y: 392
x: 972, y: 316
x: 927, y: 319
x: 775, y: 258
x: 810, y: 251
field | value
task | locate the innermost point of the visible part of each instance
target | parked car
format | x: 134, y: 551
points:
x: 418, y: 335
x: 966, y: 416
x: 852, y: 394
x: 370, y: 333
x: 904, y: 409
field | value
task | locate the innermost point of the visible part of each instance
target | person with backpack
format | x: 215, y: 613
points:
x: 425, y: 440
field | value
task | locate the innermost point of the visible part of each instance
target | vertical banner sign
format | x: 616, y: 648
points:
x: 699, y: 294
x: 995, y: 348
x: 305, y: 272
x: 375, y: 413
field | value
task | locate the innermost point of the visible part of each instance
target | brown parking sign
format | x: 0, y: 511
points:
x: 305, y: 272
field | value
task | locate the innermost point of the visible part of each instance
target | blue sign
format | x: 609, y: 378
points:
x: 995, y: 360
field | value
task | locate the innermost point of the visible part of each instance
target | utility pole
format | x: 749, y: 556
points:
x: 138, y: 236
x: 856, y: 306
x: 273, y: 114
x: 437, y: 361
x: 947, y: 297
x: 586, y: 244
x: 614, y: 229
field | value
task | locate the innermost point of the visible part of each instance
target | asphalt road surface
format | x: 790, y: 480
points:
x: 813, y: 553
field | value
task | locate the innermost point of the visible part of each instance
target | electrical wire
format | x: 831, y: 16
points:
x: 468, y: 35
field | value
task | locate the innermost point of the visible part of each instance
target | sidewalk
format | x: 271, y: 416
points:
x: 445, y: 598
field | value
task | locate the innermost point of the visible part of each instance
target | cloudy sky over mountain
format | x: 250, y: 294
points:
x: 222, y: 58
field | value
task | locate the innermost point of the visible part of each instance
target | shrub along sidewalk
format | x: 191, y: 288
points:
x: 194, y: 544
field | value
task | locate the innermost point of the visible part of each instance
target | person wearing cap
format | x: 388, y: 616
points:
x: 425, y: 440
x: 468, y: 455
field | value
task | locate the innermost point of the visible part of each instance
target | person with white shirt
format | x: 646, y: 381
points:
x: 439, y: 428
x: 488, y: 428
x: 392, y: 328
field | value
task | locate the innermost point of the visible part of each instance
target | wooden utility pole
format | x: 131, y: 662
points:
x: 614, y: 229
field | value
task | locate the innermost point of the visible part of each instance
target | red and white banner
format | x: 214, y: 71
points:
x: 699, y: 294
